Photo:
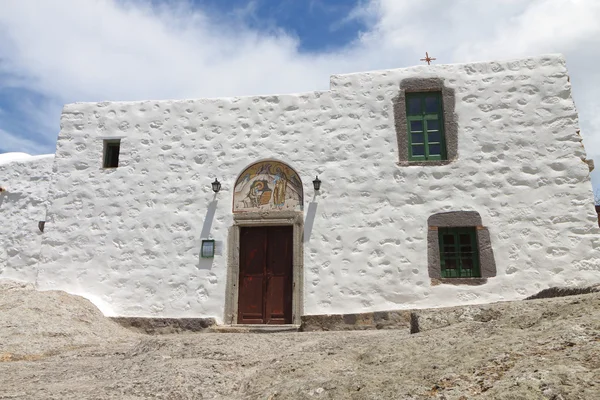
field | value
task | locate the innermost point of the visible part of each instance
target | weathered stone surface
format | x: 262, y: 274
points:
x: 350, y: 322
x: 435, y: 318
x: 564, y: 291
x: 165, y: 325
x: 525, y: 314
x: 35, y: 324
x: 539, y: 349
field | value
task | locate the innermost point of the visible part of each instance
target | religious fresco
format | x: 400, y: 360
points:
x: 268, y: 186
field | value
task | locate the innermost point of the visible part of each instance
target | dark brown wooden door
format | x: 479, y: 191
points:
x: 265, y: 287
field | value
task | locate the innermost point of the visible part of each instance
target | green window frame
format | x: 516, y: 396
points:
x: 459, y: 253
x: 425, y: 120
x: 208, y: 248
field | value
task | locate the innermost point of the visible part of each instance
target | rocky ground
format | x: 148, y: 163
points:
x: 57, y: 346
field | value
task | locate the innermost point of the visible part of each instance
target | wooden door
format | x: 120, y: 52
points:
x: 265, y: 287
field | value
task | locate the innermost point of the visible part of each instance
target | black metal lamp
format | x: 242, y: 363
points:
x: 317, y: 184
x: 216, y: 186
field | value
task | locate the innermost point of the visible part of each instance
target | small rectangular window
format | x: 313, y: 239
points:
x: 424, y: 112
x: 111, y: 153
x: 208, y: 249
x: 459, y: 255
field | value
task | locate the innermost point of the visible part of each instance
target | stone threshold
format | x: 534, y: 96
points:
x: 255, y: 328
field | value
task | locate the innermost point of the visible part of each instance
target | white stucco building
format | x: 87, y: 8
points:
x: 440, y: 185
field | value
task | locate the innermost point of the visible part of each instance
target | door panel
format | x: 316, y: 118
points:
x: 279, y: 275
x: 276, y: 302
x: 253, y: 243
x: 265, y: 289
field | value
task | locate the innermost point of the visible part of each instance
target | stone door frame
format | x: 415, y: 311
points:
x: 257, y: 219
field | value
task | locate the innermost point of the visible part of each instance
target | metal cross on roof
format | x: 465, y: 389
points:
x: 427, y: 58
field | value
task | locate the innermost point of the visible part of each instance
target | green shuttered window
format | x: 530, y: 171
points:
x: 425, y: 126
x: 459, y: 256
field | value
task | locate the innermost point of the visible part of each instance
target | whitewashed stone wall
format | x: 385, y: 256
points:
x: 25, y: 180
x: 129, y: 238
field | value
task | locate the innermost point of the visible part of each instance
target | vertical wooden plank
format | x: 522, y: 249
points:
x: 279, y: 275
x: 251, y: 305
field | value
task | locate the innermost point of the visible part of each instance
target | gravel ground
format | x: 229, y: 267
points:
x: 57, y: 346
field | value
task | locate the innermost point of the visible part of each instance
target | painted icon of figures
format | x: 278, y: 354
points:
x: 280, y: 182
x: 259, y: 193
x: 268, y: 185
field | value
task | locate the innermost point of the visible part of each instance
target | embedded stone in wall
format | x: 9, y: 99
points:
x: 162, y: 326
x: 268, y: 186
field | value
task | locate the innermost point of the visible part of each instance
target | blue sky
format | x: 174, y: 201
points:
x: 319, y: 25
x: 62, y: 51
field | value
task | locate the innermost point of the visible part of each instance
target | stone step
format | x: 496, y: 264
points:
x: 254, y: 328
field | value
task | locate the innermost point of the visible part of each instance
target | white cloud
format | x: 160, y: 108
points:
x: 11, y: 142
x: 93, y: 50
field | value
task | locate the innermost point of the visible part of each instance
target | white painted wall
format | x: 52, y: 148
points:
x: 129, y: 238
x: 25, y: 180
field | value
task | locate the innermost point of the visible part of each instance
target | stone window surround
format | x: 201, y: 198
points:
x: 456, y: 219
x: 416, y: 85
x: 269, y: 218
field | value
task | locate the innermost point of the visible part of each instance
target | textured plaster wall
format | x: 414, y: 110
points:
x: 25, y: 180
x: 129, y: 238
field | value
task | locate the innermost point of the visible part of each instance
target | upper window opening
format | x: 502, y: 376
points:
x: 111, y: 153
x: 424, y: 114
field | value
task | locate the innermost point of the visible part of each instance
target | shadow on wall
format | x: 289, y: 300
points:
x: 310, y: 220
x: 206, y: 263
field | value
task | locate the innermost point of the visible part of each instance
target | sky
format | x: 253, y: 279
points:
x: 54, y: 52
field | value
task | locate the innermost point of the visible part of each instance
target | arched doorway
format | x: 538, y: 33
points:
x: 265, y: 276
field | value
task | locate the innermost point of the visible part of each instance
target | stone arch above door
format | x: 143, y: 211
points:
x: 268, y: 185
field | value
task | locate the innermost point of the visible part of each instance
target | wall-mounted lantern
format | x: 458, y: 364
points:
x: 216, y: 186
x: 208, y: 249
x: 317, y: 184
